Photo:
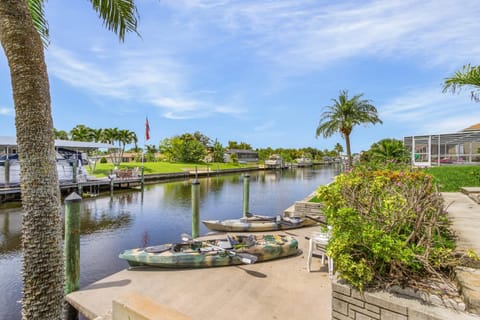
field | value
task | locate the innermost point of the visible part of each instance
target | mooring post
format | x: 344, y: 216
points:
x: 246, y: 194
x: 7, y: 172
x: 72, y: 249
x: 195, y: 207
x: 111, y: 185
x: 74, y: 171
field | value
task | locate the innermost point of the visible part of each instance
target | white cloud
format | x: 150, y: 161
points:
x: 429, y: 111
x: 149, y: 77
x: 305, y: 35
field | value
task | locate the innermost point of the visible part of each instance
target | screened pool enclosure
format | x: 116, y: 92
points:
x: 445, y: 149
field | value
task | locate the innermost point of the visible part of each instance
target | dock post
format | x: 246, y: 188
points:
x: 7, y: 172
x: 72, y: 249
x: 74, y: 171
x: 246, y: 193
x: 195, y: 208
x: 111, y: 185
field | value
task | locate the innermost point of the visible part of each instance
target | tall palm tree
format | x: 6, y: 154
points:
x: 22, y: 28
x: 125, y: 137
x: 469, y: 76
x: 343, y: 115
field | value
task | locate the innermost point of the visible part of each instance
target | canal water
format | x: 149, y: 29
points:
x: 160, y: 214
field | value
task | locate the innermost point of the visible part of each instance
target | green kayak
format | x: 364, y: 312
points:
x: 259, y: 223
x: 232, y: 250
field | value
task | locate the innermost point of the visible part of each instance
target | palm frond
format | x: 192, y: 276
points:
x: 119, y: 16
x: 469, y: 76
x: 37, y: 12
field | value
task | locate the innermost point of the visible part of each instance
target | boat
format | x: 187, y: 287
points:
x: 256, y: 223
x: 304, y: 162
x: 274, y: 162
x: 232, y: 250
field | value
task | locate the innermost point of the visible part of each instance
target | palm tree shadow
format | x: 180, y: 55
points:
x: 110, y: 284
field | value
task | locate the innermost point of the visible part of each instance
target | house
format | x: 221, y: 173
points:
x: 243, y: 156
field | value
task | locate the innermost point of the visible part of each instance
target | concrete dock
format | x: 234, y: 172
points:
x: 278, y: 289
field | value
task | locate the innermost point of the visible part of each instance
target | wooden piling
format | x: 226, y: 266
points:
x: 74, y: 171
x: 72, y: 249
x: 7, y: 172
x: 246, y: 194
x: 195, y: 208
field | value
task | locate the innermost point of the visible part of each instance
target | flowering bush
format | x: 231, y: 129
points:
x: 388, y: 227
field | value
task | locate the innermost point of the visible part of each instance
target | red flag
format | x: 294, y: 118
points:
x: 147, y: 130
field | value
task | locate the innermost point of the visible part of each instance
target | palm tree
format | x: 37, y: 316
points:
x: 343, y: 115
x: 338, y: 149
x: 22, y: 28
x: 111, y: 135
x: 97, y: 135
x: 126, y: 137
x: 82, y: 133
x: 388, y: 150
x: 468, y: 77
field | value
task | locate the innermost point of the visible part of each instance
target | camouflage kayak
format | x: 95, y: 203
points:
x: 213, y: 253
x: 258, y: 223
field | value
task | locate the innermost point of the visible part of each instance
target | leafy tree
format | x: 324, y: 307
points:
x: 183, y: 148
x: 241, y: 145
x: 186, y: 148
x: 343, y: 115
x: 469, y: 76
x: 165, y: 149
x: 203, y: 139
x: 126, y: 137
x: 218, y: 152
x: 22, y: 29
x: 60, y: 134
x: 234, y: 158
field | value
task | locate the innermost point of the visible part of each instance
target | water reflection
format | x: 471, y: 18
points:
x: 158, y: 215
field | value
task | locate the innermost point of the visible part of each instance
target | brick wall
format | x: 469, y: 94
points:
x: 348, y: 303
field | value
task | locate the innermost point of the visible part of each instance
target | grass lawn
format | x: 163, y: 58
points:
x: 104, y: 169
x: 452, y: 178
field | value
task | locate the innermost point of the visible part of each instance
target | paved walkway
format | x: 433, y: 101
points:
x: 465, y: 216
x: 279, y: 289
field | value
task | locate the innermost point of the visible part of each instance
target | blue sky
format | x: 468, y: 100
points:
x: 260, y: 71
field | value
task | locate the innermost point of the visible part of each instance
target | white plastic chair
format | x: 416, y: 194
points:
x: 317, y: 244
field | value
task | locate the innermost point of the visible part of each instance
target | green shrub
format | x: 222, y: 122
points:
x: 388, y: 227
x: 103, y: 160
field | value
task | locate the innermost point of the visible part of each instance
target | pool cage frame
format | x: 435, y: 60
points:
x: 461, y: 148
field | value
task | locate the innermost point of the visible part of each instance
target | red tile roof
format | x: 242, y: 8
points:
x: 475, y: 127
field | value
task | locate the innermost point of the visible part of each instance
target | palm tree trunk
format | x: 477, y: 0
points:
x: 349, y: 154
x: 42, y: 271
